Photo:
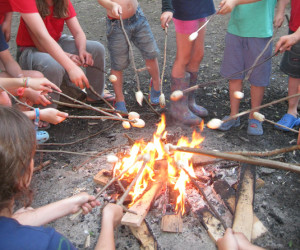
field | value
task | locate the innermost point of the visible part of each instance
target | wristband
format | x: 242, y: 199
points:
x: 37, y: 117
x: 20, y: 92
x: 26, y: 81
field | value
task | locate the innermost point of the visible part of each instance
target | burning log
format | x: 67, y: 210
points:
x: 103, y: 177
x: 243, y: 216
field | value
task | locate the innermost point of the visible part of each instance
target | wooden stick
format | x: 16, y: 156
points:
x: 280, y: 125
x: 63, y: 152
x: 114, y: 118
x: 142, y: 69
x: 82, y: 103
x: 165, y: 60
x: 268, y: 153
x: 260, y: 107
x: 78, y: 106
x: 233, y: 157
x: 121, y: 200
x: 101, y: 97
x: 216, y: 213
x: 42, y: 165
x: 154, y: 111
x: 72, y: 217
x: 130, y: 140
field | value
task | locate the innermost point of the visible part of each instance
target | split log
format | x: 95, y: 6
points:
x: 243, y: 216
x: 144, y: 236
x: 227, y: 193
x: 172, y: 223
x: 141, y: 207
x: 103, y: 177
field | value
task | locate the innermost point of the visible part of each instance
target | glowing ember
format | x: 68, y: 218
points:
x: 176, y: 177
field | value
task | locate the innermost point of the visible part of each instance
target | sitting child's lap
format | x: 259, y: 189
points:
x: 240, y: 54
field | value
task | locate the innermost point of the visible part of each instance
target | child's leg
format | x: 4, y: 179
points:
x: 234, y: 85
x: 294, y: 88
x: 257, y: 95
x: 118, y: 85
x: 153, y: 69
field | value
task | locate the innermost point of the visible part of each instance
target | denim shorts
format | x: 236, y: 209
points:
x: 240, y: 54
x: 139, y: 33
x: 290, y: 63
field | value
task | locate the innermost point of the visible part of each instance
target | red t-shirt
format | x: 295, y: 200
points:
x: 54, y: 26
x: 295, y: 15
x: 22, y: 6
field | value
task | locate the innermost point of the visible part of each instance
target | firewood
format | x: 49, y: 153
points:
x: 172, y: 223
x: 227, y: 193
x: 202, y: 159
x: 141, y: 207
x: 143, y: 234
x: 42, y: 165
x: 103, y: 177
x: 243, y: 216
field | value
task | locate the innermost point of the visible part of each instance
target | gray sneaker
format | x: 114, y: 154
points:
x: 230, y: 124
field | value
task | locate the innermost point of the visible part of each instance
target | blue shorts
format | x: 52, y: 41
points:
x: 139, y: 33
x: 240, y: 54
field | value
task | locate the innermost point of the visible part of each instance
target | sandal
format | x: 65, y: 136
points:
x: 254, y: 127
x: 230, y: 124
x: 153, y: 94
x: 288, y: 120
x: 41, y: 136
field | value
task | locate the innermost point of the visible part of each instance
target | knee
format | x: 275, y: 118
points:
x: 35, y: 74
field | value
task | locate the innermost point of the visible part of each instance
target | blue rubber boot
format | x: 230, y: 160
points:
x: 153, y: 94
x: 120, y: 106
x: 179, y: 109
x: 196, y: 109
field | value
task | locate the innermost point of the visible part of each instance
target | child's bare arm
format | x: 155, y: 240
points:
x: 279, y: 17
x: 167, y: 13
x: 286, y: 42
x: 6, y: 26
x: 56, y: 210
x: 113, y: 9
x: 111, y: 217
x: 10, y: 65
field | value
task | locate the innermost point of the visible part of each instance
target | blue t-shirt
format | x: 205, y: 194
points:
x: 14, y: 236
x: 192, y: 9
x: 3, y: 43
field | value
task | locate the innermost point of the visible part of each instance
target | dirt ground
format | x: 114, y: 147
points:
x: 276, y: 204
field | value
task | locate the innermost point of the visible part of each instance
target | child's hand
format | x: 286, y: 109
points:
x: 115, y: 11
x: 113, y: 213
x: 228, y: 242
x: 36, y: 97
x: 285, y: 43
x: 86, y: 58
x: 77, y: 77
x: 165, y: 18
x: 226, y: 6
x: 84, y: 201
x: 52, y: 115
x: 42, y: 84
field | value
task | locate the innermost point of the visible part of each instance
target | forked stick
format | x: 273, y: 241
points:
x: 102, y: 98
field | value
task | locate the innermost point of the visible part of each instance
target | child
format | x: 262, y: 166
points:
x: 90, y: 54
x: 246, y: 38
x: 290, y: 63
x: 23, y: 230
x: 188, y: 17
x: 138, y: 31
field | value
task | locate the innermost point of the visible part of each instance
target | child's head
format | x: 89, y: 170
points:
x: 17, y: 148
x: 60, y: 8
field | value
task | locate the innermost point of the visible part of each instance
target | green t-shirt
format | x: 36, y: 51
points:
x: 253, y: 20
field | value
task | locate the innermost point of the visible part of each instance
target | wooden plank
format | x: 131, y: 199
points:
x: 172, y: 223
x: 141, y: 207
x: 202, y: 159
x: 103, y: 177
x: 243, y: 216
x: 144, y: 236
x: 227, y: 194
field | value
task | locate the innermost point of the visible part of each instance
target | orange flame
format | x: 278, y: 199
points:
x: 176, y: 177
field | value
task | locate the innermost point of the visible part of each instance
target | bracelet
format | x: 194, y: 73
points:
x: 37, y: 117
x: 26, y: 81
x: 20, y: 92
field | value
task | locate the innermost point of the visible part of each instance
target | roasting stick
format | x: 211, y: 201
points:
x: 146, y: 159
x: 87, y: 117
x: 260, y: 117
x: 162, y: 99
x: 233, y: 157
x: 73, y: 216
x: 102, y: 98
x: 180, y: 165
